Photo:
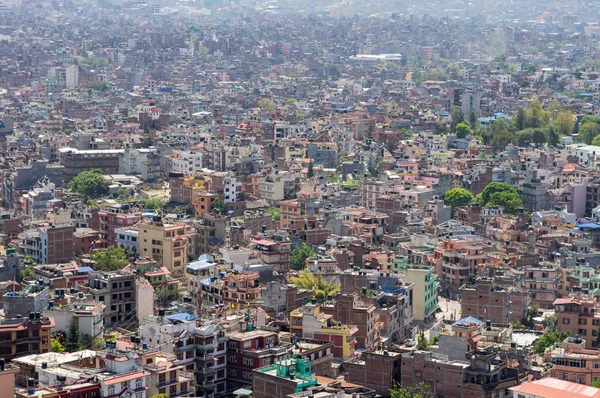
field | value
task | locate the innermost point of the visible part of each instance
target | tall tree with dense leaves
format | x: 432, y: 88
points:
x: 538, y: 137
x: 89, y: 183
x: 509, y: 200
x: 299, y: 255
x: 456, y: 116
x: 458, y: 197
x: 111, y: 259
x: 588, y: 131
x: 520, y: 119
x: 494, y: 187
x: 421, y: 390
x: 565, y: 122
x: 72, y: 342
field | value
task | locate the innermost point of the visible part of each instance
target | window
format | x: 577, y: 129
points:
x: 232, y: 359
x: 247, y: 375
x: 248, y: 361
x: 139, y: 383
x: 111, y: 390
x: 566, y: 321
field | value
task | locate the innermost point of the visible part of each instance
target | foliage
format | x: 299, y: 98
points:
x: 553, y: 137
x: 532, y: 312
x: 565, y: 122
x: 550, y: 323
x: 463, y: 130
x: 87, y: 342
x: 421, y: 390
x: 160, y: 396
x: 72, y: 342
x: 290, y: 101
x: 218, y: 205
x: 588, y: 131
x: 274, y: 212
x: 97, y: 85
x: 111, y: 259
x: 299, y: 255
x: 56, y: 346
x: 494, y: 187
x: 422, y: 343
x: 501, y: 194
x: 595, y: 383
x: 456, y: 117
x: 266, y: 104
x: 321, y: 289
x: 93, y: 62
x: 89, y: 183
x: 458, y: 197
x: 538, y: 137
x: 548, y: 340
x: 155, y: 203
x: 596, y: 140
x: 26, y: 273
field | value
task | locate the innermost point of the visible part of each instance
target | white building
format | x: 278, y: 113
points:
x: 72, y: 76
x: 89, y: 315
x: 143, y: 161
x: 187, y: 162
x: 165, y: 334
x: 127, y: 238
x: 585, y: 153
x: 232, y: 189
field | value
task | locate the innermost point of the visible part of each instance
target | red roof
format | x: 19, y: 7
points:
x: 551, y: 388
x: 264, y: 242
x: 567, y: 300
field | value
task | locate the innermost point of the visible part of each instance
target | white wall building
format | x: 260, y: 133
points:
x: 187, y: 162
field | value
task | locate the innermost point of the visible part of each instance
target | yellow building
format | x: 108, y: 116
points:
x: 165, y: 243
x: 309, y: 322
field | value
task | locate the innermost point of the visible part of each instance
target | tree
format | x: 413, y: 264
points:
x: 320, y: 288
x: 538, y: 137
x: 274, y: 212
x: 155, y: 203
x: 87, y: 342
x: 56, y: 346
x: 524, y: 138
x: 509, y: 200
x: 218, y: 205
x: 26, y: 273
x: 494, y: 187
x: 473, y: 119
x: 311, y: 171
x: 421, y: 390
x: 520, y: 119
x: 299, y: 255
x: 72, y: 342
x: 553, y: 136
x: 565, y: 122
x: 160, y: 396
x: 463, y: 130
x: 456, y: 117
x: 595, y: 383
x: 89, y: 183
x: 111, y: 259
x: 596, y: 140
x: 458, y: 197
x: 588, y: 131
x: 266, y: 104
x: 549, y: 340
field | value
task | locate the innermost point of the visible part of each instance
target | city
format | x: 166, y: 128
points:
x: 311, y: 198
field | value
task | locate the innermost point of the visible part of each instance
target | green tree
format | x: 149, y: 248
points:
x: 26, y: 273
x: 458, y: 197
x: 595, y: 383
x: 72, y: 342
x: 456, y: 117
x: 538, y: 137
x: 160, y: 396
x: 89, y: 183
x: 549, y: 340
x: 565, y: 122
x: 524, y: 138
x: 588, y: 131
x: 56, y: 346
x: 218, y: 205
x: 290, y: 101
x: 510, y: 201
x: 311, y: 171
x: 520, y: 119
x: 299, y: 255
x: 421, y: 390
x: 596, y: 140
x: 553, y: 136
x: 266, y: 104
x: 155, y: 203
x: 473, y: 119
x: 494, y: 187
x: 274, y: 212
x: 463, y: 130
x: 321, y: 289
x: 111, y: 259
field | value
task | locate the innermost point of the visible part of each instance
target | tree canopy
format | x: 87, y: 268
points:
x: 266, y: 104
x: 89, y: 183
x: 321, y: 289
x: 548, y: 340
x: 111, y: 259
x: 155, y: 203
x: 463, y: 130
x: 458, y: 197
x: 299, y: 255
x: 421, y: 390
x: 501, y: 194
x: 588, y: 131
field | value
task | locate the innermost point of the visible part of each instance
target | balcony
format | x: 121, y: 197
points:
x: 167, y: 382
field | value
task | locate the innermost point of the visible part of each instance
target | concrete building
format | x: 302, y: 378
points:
x: 23, y: 336
x: 31, y: 299
x: 377, y: 369
x: 166, y: 243
x: 353, y: 310
x: 286, y: 376
x: 142, y: 161
x: 425, y: 287
x: 75, y: 161
x: 128, y: 238
x: 186, y: 162
x: 117, y: 291
x: 109, y: 221
x: 550, y: 387
x: 90, y: 315
x: 72, y: 76
x: 26, y: 177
